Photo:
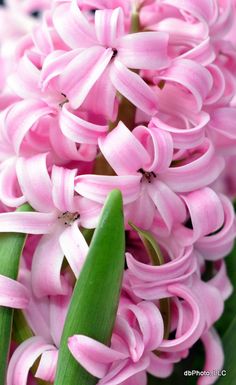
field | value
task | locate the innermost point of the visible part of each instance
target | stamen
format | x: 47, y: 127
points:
x: 64, y: 101
x: 115, y: 52
x: 69, y: 218
x: 147, y: 174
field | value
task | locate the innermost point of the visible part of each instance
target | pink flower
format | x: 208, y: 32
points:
x: 65, y: 85
x: 138, y: 331
x: 46, y: 318
x: 147, y: 178
x: 57, y: 219
x: 12, y: 293
x: 104, y: 48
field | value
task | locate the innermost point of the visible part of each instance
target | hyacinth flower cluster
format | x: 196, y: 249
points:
x: 135, y: 95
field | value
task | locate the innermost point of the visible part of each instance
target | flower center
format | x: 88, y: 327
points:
x: 115, y: 52
x: 148, y: 175
x: 68, y: 218
x: 64, y: 101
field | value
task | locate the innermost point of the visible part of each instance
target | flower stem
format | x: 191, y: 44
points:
x: 135, y: 21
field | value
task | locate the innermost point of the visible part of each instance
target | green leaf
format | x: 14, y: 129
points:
x: 230, y: 304
x: 229, y: 343
x: 11, y: 246
x: 94, y: 302
x: 226, y: 326
x: 156, y: 258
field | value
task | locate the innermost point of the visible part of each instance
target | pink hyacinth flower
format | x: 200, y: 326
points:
x: 104, y: 49
x: 57, y: 218
x: 138, y: 331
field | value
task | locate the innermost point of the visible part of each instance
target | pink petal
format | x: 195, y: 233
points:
x: 202, y: 10
x: 177, y: 103
x: 75, y: 247
x: 82, y: 73
x: 183, y: 137
x: 46, y: 265
x: 133, y: 88
x: 207, y: 167
x: 21, y: 118
x: 144, y: 50
x: 169, y: 270
x: 89, y: 212
x: 195, y: 330
x: 35, y: 182
x: 138, y: 379
x: 147, y: 286
x: 181, y: 31
x: 96, y: 187
x: 54, y: 64
x: 225, y: 20
x: 63, y: 188
x: 25, y: 81
x: 158, y: 144
x: 125, y: 338
x: 221, y: 281
x: 191, y: 75
x: 58, y: 309
x: 150, y: 322
x: 37, y: 313
x: 169, y: 204
x: 12, y: 293
x: 94, y: 356
x: 66, y: 149
x: 29, y: 223
x: 47, y: 366
x: 109, y: 25
x: 41, y: 36
x: 211, y: 300
x: 203, y: 53
x: 223, y: 121
x: 127, y: 369
x: 23, y: 358
x: 214, y: 356
x: 80, y: 130
x: 160, y: 367
x: 102, y: 98
x: 72, y: 26
x: 9, y: 187
x: 123, y: 151
x: 218, y: 87
x: 206, y: 213
x: 134, y: 211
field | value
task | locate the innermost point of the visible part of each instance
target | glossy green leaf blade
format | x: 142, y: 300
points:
x: 11, y: 245
x: 230, y: 304
x: 94, y: 303
x: 229, y: 343
x: 226, y: 326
